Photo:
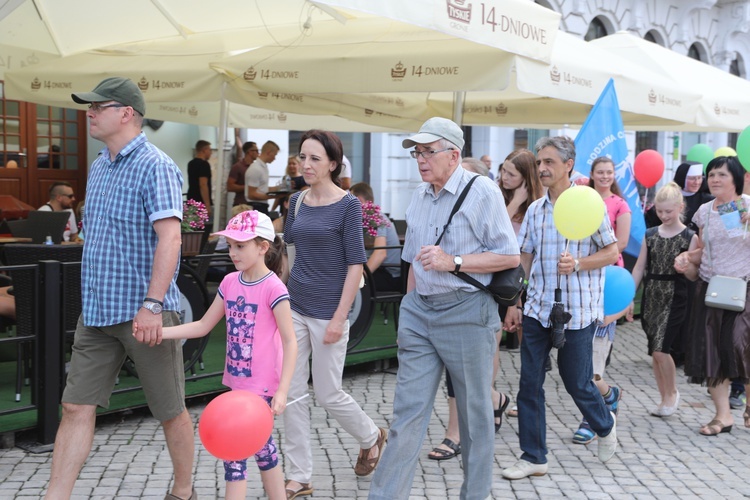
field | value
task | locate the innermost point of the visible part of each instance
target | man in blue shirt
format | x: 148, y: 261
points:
x: 551, y: 262
x: 128, y: 273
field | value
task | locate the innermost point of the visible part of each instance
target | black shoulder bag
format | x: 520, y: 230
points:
x: 507, y: 285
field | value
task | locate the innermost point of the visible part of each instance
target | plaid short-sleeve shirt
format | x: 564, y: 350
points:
x: 124, y: 198
x: 582, y: 292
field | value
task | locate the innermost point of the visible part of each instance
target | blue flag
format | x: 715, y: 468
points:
x: 603, y: 135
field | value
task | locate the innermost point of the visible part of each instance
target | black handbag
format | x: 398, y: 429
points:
x: 507, y: 285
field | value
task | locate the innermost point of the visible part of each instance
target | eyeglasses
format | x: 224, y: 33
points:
x: 69, y: 196
x: 429, y: 153
x: 97, y: 108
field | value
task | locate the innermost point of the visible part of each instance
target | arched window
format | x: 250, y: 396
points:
x: 694, y: 52
x: 653, y: 36
x: 597, y: 29
x: 544, y: 3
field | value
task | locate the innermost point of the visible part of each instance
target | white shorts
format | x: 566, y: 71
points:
x: 600, y: 352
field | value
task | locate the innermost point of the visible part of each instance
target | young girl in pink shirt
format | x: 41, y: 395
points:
x: 261, y: 345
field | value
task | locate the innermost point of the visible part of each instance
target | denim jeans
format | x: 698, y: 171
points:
x: 574, y: 363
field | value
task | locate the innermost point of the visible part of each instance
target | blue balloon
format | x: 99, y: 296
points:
x: 619, y: 289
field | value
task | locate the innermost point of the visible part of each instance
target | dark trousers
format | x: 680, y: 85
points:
x: 259, y: 206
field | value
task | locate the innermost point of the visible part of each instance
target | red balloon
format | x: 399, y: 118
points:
x: 235, y: 425
x: 648, y: 167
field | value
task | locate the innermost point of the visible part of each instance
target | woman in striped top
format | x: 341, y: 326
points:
x: 326, y: 230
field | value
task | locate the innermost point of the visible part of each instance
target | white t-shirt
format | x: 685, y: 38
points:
x: 70, y: 227
x: 257, y: 177
x: 346, y: 169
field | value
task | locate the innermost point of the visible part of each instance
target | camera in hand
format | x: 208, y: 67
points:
x: 558, y: 318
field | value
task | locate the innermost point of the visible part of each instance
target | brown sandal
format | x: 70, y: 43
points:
x: 303, y: 490
x: 365, y: 465
x: 193, y: 496
x: 714, y: 428
x: 746, y: 416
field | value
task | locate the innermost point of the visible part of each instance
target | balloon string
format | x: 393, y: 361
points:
x: 567, y: 246
x: 298, y: 399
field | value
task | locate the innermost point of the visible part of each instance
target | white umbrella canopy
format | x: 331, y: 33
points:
x: 37, y: 30
x: 725, y: 99
x: 516, y: 26
x: 499, y: 88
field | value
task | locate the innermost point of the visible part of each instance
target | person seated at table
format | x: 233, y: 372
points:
x: 61, y: 198
x: 296, y: 180
x: 385, y: 265
x: 7, y: 303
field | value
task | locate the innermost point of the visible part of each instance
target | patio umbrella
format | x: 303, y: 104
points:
x: 498, y: 88
x: 180, y: 30
x: 725, y: 99
x: 33, y: 31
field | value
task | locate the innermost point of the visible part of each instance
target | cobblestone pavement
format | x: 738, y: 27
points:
x: 657, y: 458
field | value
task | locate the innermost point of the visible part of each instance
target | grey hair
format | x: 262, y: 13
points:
x: 445, y: 144
x: 474, y: 165
x: 564, y: 145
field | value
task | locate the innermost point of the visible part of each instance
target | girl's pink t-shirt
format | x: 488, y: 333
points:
x: 616, y: 206
x: 254, y: 350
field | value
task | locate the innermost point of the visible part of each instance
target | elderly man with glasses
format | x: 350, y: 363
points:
x: 445, y: 321
x: 61, y: 198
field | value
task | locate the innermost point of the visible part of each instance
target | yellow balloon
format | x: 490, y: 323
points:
x: 579, y: 212
x: 725, y: 151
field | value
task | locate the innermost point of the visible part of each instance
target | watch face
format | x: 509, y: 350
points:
x: 458, y: 260
x: 153, y: 307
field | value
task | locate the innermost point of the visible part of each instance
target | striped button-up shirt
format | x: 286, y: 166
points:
x: 481, y: 225
x: 582, y: 292
x: 124, y: 198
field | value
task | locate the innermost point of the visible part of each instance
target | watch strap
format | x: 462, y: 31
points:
x: 149, y: 299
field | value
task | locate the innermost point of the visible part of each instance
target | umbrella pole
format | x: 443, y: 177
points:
x: 458, y: 107
x: 219, y: 196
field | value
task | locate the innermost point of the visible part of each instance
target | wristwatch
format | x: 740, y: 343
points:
x: 577, y: 265
x: 153, y: 305
x: 458, y: 261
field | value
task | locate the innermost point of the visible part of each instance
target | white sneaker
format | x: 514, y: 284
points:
x: 523, y: 468
x: 608, y: 443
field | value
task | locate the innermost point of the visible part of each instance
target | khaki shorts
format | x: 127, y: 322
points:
x: 98, y: 354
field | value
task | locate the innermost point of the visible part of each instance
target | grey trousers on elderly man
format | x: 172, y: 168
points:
x: 455, y: 329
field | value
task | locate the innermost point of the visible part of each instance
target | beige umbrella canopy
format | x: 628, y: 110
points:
x: 188, y: 33
x: 725, y: 99
x: 497, y: 88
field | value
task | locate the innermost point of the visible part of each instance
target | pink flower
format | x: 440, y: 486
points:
x: 194, y: 216
x: 372, y: 218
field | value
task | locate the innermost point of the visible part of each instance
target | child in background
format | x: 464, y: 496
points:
x: 604, y: 180
x: 261, y: 344
x: 665, y: 292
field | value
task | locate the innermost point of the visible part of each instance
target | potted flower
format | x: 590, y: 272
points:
x: 194, y: 219
x: 372, y: 220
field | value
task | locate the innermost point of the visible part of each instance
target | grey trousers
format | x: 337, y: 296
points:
x: 455, y: 330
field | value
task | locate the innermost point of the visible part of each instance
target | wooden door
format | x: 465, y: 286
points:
x: 40, y: 145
